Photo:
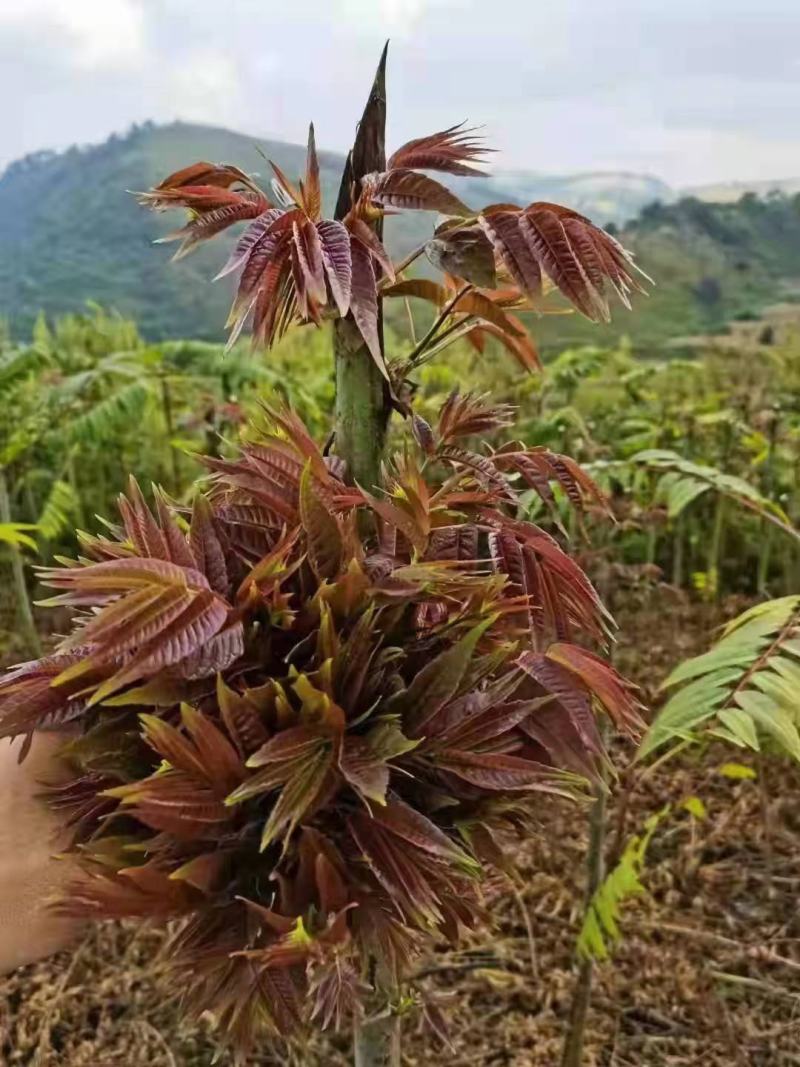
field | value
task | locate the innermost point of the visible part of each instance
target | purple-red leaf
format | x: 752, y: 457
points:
x: 323, y: 535
x: 502, y: 229
x: 257, y: 229
x: 496, y: 772
x: 366, y: 236
x: 404, y: 188
x: 436, y: 683
x: 309, y: 253
x: 207, y: 547
x: 610, y: 688
x: 312, y: 192
x: 450, y: 151
x: 335, y: 241
x: 364, y: 301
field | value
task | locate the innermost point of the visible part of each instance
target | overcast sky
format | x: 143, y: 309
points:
x: 689, y: 90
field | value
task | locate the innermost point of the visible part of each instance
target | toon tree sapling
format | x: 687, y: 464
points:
x: 316, y: 704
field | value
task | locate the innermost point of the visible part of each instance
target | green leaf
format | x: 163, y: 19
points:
x: 737, y: 649
x: 737, y: 771
x: 787, y: 668
x: 600, y: 930
x: 695, y: 807
x: 695, y: 474
x: 741, y: 726
x: 59, y: 511
x: 773, y: 720
x: 125, y: 407
x: 13, y: 533
x: 778, y: 689
x: 679, y: 492
x: 746, y: 681
x: 778, y: 611
x: 686, y: 710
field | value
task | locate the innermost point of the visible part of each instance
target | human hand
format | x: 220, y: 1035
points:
x: 29, y: 837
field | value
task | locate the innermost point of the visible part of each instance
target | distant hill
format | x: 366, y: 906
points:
x: 69, y: 231
x: 727, y: 192
x: 712, y: 263
x: 605, y: 196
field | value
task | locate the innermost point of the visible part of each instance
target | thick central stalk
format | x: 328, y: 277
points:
x: 362, y: 417
x: 362, y: 396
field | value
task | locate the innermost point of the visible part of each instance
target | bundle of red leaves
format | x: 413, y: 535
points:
x: 312, y: 743
x: 313, y: 715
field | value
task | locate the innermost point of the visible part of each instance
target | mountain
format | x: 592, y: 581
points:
x: 712, y: 263
x: 605, y: 196
x: 726, y: 192
x: 69, y: 231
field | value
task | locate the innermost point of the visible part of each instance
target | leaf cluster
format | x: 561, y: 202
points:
x: 293, y: 265
x: 600, y: 931
x: 744, y: 689
x: 313, y: 718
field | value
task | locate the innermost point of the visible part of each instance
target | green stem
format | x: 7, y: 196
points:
x: 419, y: 348
x: 715, y: 547
x: 444, y: 339
x: 101, y: 481
x: 572, y: 1055
x: 169, y: 426
x: 412, y: 333
x: 768, y: 486
x: 377, y: 1042
x: 404, y: 264
x: 764, y: 554
x: 652, y: 542
x: 677, y: 552
x: 21, y: 596
x: 72, y: 479
x: 361, y: 411
x: 791, y: 557
x: 31, y: 507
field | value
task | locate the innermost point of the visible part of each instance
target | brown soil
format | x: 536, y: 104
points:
x: 708, y: 971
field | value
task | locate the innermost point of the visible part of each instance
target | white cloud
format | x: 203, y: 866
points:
x: 700, y: 156
x: 205, y: 86
x: 389, y: 15
x: 97, y: 34
x: 691, y: 91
